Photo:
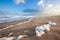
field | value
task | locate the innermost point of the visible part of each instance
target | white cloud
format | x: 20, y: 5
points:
x: 41, y: 3
x: 50, y: 5
x: 19, y: 1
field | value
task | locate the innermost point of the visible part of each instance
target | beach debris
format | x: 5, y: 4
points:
x: 7, y: 38
x: 7, y: 27
x: 13, y: 38
x: 26, y: 31
x: 12, y: 25
x: 4, y: 28
x: 40, y: 29
x: 21, y: 36
x: 10, y: 34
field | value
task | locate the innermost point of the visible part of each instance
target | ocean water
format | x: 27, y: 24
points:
x: 8, y: 18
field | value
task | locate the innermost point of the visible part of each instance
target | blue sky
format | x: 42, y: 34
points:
x: 9, y: 5
x: 30, y: 6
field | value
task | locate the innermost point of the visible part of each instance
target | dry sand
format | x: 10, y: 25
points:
x: 53, y: 34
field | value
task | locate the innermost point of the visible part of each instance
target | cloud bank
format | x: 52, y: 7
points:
x: 50, y: 11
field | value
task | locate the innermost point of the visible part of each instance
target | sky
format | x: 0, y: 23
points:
x: 28, y: 7
x: 12, y: 6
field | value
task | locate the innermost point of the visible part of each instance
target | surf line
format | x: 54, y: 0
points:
x: 15, y: 25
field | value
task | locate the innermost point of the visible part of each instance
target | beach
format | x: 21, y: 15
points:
x: 53, y: 34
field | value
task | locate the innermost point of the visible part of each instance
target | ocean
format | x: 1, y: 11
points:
x: 8, y: 18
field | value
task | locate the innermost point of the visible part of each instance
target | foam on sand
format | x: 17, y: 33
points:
x: 40, y: 29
